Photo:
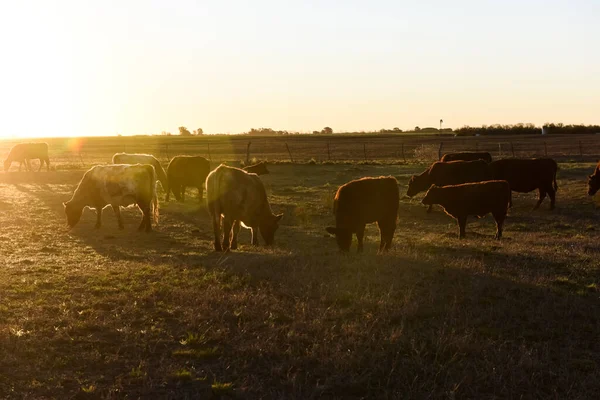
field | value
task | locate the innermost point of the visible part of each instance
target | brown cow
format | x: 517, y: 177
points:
x: 258, y: 168
x: 363, y: 201
x: 23, y: 152
x: 186, y: 171
x: 117, y: 185
x: 449, y: 173
x: 467, y: 156
x: 239, y: 197
x: 594, y: 181
x: 525, y: 175
x: 460, y: 201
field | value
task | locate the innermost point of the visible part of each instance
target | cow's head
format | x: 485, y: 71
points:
x: 416, y: 184
x: 343, y: 237
x: 73, y: 213
x: 594, y: 183
x: 432, y: 196
x: 6, y: 165
x: 268, y: 226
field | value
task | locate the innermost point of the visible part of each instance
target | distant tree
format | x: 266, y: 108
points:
x: 396, y: 129
x: 316, y: 132
x: 417, y: 129
x: 165, y: 133
x: 183, y: 131
x: 199, y: 132
x: 327, y: 131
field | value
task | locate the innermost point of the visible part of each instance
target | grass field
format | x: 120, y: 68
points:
x: 119, y: 314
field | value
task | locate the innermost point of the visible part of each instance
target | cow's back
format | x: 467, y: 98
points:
x: 457, y: 172
x: 29, y: 150
x: 366, y: 200
x: 467, y: 156
x: 525, y: 175
x: 188, y: 170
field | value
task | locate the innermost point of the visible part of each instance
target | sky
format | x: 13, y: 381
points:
x: 81, y: 68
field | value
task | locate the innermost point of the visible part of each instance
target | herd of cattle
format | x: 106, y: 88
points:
x: 463, y: 184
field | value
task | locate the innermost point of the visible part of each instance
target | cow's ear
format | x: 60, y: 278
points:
x: 278, y: 217
x: 432, y: 186
x: 331, y: 230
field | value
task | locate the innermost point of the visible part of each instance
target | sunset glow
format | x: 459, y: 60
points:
x: 74, y: 68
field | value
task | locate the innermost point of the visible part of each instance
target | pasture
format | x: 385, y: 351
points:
x: 119, y: 314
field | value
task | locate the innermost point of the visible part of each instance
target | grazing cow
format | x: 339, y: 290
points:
x: 594, y: 181
x: 239, y: 197
x: 363, y: 201
x: 449, y: 173
x: 258, y: 168
x: 481, y: 198
x: 127, y: 158
x: 467, y: 156
x: 117, y: 185
x: 186, y: 171
x: 525, y: 175
x: 23, y: 152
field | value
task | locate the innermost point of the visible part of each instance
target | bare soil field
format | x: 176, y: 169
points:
x: 105, y: 313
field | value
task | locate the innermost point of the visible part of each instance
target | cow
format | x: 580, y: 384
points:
x: 239, y: 197
x: 116, y: 185
x: 258, y: 168
x: 128, y: 158
x: 186, y: 171
x: 594, y: 181
x: 23, y: 152
x: 467, y: 156
x: 363, y: 201
x: 479, y: 199
x: 525, y: 175
x: 449, y: 173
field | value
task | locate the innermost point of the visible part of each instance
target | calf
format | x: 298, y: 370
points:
x: 525, y: 175
x: 467, y: 156
x: 115, y: 185
x: 479, y: 199
x: 363, y: 201
x: 23, y: 152
x: 239, y: 197
x: 127, y: 158
x: 258, y: 168
x: 186, y: 171
x: 449, y: 173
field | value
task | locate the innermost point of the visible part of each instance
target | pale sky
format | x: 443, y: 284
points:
x: 136, y: 67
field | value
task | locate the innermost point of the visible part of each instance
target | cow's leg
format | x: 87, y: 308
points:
x: 227, y: 225
x: 47, y: 164
x: 542, y: 196
x: 20, y: 165
x: 387, y: 234
x: 462, y: 225
x: 98, y: 217
x: 254, y: 231
x: 360, y: 234
x: 41, y: 164
x: 236, y: 230
x: 182, y: 193
x: 117, y: 211
x: 28, y: 165
x: 146, y: 224
x: 200, y: 193
x: 499, y: 217
x: 216, y: 221
x: 552, y: 195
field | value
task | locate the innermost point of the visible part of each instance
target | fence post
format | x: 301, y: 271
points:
x: 289, y: 152
x: 580, y: 149
x: 499, y: 150
x: 476, y: 146
x: 545, y: 149
x: 248, y: 154
x: 440, y: 150
x: 512, y: 149
x: 328, y: 152
x: 208, y: 149
x: 365, y: 150
x: 403, y: 157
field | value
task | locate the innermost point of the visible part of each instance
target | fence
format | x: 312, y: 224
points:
x: 77, y: 153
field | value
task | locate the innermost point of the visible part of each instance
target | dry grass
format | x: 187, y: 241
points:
x: 119, y: 314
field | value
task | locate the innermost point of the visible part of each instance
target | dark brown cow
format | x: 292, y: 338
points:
x: 186, y: 171
x: 467, y: 156
x: 363, y: 201
x: 594, y: 181
x: 479, y: 199
x: 258, y: 168
x: 525, y: 175
x: 449, y: 173
x: 237, y: 197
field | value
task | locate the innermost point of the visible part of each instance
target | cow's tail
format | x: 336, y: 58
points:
x: 154, y: 201
x: 212, y: 195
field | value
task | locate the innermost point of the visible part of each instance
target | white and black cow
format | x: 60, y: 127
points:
x: 116, y: 185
